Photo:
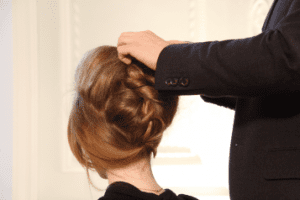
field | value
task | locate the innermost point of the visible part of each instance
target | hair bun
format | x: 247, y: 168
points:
x: 118, y: 117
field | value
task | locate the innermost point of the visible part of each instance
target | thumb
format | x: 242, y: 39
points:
x: 126, y: 61
x: 123, y: 55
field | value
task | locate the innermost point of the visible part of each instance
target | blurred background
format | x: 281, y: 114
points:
x: 42, y: 41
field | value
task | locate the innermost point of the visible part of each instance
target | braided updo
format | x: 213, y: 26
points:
x: 117, y: 116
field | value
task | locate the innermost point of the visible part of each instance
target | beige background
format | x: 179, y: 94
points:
x: 49, y: 39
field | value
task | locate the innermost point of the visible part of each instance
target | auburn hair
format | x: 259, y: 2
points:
x: 117, y: 117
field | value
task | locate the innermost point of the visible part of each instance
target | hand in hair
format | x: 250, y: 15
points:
x: 145, y: 46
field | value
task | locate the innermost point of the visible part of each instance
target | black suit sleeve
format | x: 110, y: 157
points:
x: 227, y: 102
x: 265, y: 64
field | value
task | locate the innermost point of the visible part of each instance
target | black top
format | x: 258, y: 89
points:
x: 126, y: 191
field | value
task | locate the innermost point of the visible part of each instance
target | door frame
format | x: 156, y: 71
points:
x: 25, y: 103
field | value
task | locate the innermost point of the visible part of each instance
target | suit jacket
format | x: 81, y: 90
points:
x: 125, y: 191
x: 258, y: 77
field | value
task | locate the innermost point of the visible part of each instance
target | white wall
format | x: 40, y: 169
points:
x: 6, y: 100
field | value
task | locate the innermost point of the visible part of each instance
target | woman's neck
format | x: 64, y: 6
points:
x: 139, y: 175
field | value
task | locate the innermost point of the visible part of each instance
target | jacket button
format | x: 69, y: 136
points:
x: 184, y: 82
x: 175, y: 81
x: 169, y: 82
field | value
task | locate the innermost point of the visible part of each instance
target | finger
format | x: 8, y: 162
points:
x: 127, y: 61
x: 122, y: 40
x: 124, y: 54
x: 125, y: 40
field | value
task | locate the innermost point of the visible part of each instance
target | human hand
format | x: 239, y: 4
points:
x: 144, y: 46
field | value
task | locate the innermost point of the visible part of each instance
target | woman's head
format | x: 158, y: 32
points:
x: 117, y: 117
